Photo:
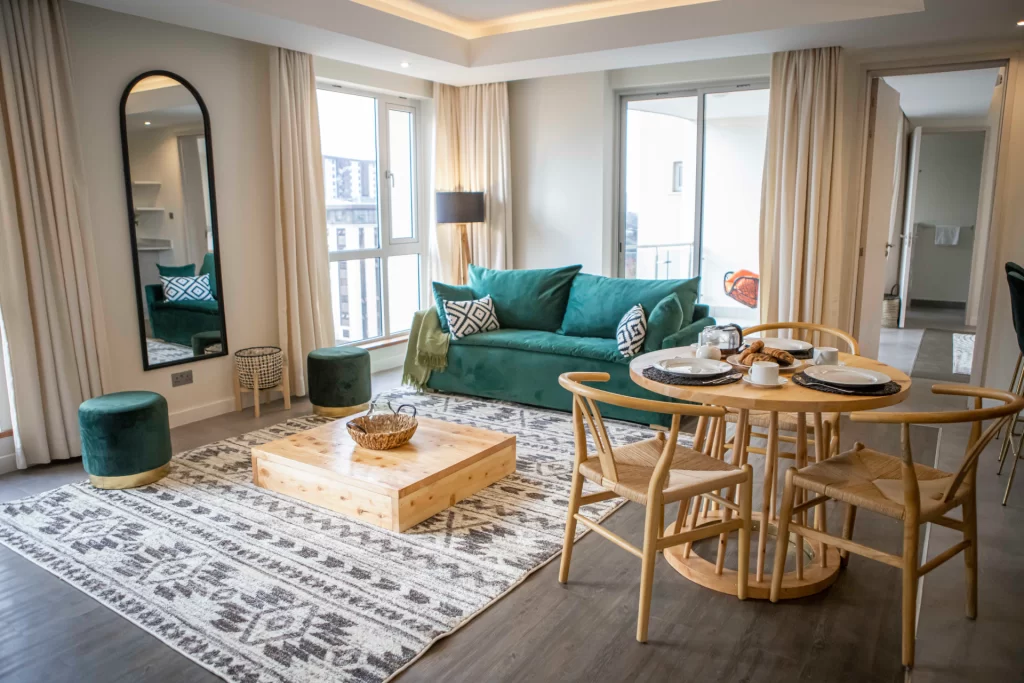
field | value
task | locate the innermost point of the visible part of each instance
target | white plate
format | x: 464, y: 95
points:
x: 782, y: 382
x: 733, y: 360
x: 693, y: 367
x: 786, y: 344
x: 846, y: 376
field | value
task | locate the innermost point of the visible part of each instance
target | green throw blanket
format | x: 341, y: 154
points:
x: 428, y: 348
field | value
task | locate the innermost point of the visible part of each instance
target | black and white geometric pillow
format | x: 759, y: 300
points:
x: 470, y: 317
x: 187, y: 288
x: 631, y: 331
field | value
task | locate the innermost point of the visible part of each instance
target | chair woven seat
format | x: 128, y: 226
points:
x: 874, y: 481
x: 691, y: 472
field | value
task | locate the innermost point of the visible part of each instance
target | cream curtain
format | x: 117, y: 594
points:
x: 472, y: 154
x: 49, y: 294
x: 304, y: 312
x: 899, y: 196
x: 802, y: 241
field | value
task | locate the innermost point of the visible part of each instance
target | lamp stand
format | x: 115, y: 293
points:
x: 465, y: 254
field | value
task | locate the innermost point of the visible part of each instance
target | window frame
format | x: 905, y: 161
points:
x: 387, y: 246
x: 681, y: 90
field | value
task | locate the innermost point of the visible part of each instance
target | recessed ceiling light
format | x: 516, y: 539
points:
x: 148, y: 123
x: 1020, y: 23
x: 405, y: 65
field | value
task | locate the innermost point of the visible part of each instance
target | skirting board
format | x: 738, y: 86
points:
x: 7, y: 463
x: 197, y: 413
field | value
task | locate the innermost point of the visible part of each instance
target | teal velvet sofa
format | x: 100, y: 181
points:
x: 559, y: 320
x: 178, y: 321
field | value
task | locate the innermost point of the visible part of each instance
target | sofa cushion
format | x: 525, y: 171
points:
x: 597, y: 303
x: 200, y: 306
x: 547, y: 342
x: 209, y: 267
x: 631, y: 332
x: 443, y: 292
x: 187, y: 270
x: 664, y: 320
x: 526, y: 299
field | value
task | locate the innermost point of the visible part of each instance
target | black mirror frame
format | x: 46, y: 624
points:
x: 140, y: 304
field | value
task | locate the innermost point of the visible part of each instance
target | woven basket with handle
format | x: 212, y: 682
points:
x: 383, y: 431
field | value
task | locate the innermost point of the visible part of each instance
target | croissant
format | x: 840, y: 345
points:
x: 781, y: 356
x: 755, y: 357
x: 754, y: 347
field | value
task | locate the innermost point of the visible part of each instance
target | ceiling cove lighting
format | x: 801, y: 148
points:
x: 405, y: 65
x: 148, y: 123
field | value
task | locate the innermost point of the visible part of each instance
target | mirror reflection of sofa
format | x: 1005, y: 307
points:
x: 178, y: 321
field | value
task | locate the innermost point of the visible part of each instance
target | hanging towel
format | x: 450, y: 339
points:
x: 947, y: 235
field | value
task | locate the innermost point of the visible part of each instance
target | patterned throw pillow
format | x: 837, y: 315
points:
x: 470, y: 317
x: 187, y: 288
x: 631, y: 331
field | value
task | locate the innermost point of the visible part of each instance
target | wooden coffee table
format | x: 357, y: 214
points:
x: 396, y: 489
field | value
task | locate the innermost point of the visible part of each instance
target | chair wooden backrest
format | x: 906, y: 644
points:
x: 1011, y: 405
x: 585, y: 409
x: 811, y: 332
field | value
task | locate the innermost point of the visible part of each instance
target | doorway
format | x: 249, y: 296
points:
x: 932, y: 148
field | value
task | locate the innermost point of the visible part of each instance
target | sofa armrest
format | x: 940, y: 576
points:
x: 688, y: 335
x: 154, y: 293
x: 701, y: 311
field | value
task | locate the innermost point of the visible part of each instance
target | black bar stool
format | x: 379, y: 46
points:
x: 1015, y: 278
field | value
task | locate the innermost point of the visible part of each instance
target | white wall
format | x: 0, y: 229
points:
x: 560, y: 167
x: 949, y: 180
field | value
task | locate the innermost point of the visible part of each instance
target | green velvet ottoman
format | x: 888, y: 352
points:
x: 126, y: 439
x: 339, y: 380
x: 204, y: 340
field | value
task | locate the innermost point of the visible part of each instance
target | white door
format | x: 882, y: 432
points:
x: 883, y: 148
x: 908, y: 225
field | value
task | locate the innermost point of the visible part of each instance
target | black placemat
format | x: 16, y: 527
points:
x: 663, y: 377
x: 887, y: 389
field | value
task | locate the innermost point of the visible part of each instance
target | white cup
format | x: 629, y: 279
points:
x: 826, y: 355
x: 764, y: 372
x: 709, y: 351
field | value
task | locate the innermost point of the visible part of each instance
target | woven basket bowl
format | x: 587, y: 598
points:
x: 382, y: 432
x: 266, y: 361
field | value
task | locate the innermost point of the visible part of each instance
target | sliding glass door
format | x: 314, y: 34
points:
x: 691, y: 171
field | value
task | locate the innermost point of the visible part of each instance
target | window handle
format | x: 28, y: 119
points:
x: 390, y: 176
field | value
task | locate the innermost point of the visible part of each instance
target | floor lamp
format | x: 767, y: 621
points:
x: 461, y: 208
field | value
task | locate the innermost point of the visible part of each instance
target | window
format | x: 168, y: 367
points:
x: 373, y: 237
x: 690, y: 178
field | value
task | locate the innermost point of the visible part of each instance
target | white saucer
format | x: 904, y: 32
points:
x: 782, y: 382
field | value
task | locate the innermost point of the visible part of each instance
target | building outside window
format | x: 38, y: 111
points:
x: 374, y: 241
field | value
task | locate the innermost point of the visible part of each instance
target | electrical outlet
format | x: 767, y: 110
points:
x: 180, y: 379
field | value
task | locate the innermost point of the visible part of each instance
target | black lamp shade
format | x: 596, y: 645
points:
x: 460, y: 207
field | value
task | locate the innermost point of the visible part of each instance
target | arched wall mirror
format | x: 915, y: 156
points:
x: 172, y: 211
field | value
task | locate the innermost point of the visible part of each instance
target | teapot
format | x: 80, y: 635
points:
x: 728, y: 338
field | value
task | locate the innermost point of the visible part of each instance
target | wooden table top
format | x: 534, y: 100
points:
x: 790, y: 398
x: 437, y: 449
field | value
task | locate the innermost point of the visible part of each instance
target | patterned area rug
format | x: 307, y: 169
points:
x: 259, y: 587
x: 963, y: 353
x: 166, y: 352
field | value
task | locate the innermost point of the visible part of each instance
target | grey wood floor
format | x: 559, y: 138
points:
x: 542, y: 631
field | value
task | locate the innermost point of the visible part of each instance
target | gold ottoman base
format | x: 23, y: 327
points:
x: 130, y: 481
x: 324, y: 411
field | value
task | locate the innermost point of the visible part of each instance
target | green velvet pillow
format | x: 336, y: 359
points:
x: 210, y: 268
x: 596, y: 303
x: 526, y: 299
x: 443, y: 292
x: 665, y: 319
x: 188, y: 270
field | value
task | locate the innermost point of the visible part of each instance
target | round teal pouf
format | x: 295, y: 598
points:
x: 339, y: 380
x: 204, y: 340
x: 126, y: 439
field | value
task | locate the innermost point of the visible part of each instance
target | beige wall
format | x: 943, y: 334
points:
x: 108, y: 50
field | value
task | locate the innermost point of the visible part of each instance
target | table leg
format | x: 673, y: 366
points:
x: 801, y: 461
x: 820, y: 454
x: 771, y: 455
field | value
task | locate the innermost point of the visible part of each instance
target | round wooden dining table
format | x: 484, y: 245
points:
x: 816, y: 567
